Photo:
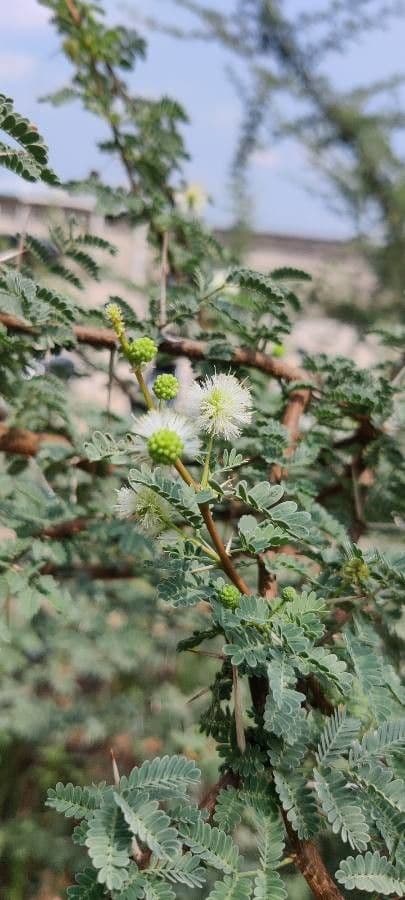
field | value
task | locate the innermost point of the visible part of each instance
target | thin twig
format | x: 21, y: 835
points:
x: 237, y: 700
x: 163, y: 280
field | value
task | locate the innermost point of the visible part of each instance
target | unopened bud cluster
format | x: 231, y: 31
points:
x: 166, y: 387
x: 165, y: 446
x: 229, y: 596
x: 355, y: 570
x: 141, y: 351
x: 114, y: 315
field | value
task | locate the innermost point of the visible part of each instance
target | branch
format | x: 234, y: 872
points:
x: 310, y: 863
x: 105, y: 338
x: 23, y: 442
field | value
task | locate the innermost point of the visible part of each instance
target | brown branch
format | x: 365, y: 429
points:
x: 74, y: 12
x: 94, y: 571
x: 105, y: 338
x: 310, y: 863
x: 296, y: 406
x: 226, y: 560
x: 23, y: 442
x: 70, y: 528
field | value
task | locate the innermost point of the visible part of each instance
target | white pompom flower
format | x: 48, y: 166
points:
x: 151, y: 512
x: 165, y: 436
x: 222, y: 405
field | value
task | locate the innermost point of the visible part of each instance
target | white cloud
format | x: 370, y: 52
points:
x: 24, y: 14
x: 14, y: 66
x: 264, y: 157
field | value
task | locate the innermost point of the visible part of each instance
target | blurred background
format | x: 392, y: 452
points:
x: 296, y: 139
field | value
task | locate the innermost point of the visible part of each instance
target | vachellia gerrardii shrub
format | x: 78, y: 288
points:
x: 254, y: 501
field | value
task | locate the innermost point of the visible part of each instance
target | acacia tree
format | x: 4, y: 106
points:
x: 255, y: 494
x: 353, y: 136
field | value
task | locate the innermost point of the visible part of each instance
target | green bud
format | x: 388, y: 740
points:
x: 165, y: 446
x: 278, y: 350
x: 141, y: 351
x: 166, y: 387
x: 289, y: 593
x: 229, y: 596
x: 355, y: 570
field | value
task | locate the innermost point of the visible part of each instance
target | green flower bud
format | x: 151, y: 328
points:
x: 289, y: 593
x: 229, y: 596
x: 166, y: 387
x: 114, y: 315
x: 165, y: 446
x: 141, y: 351
x: 278, y: 350
x: 355, y: 570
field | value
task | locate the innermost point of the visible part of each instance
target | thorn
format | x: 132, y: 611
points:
x: 116, y: 774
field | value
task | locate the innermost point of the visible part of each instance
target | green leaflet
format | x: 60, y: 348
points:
x: 380, y: 780
x: 257, y: 537
x: 87, y: 887
x: 178, y: 585
x: 371, y: 872
x: 298, y: 802
x: 179, y: 495
x: 229, y: 809
x: 345, y: 815
x: 73, y: 802
x: 246, y: 649
x: 269, y: 886
x: 283, y: 703
x: 265, y: 498
x: 327, y: 666
x: 184, y: 868
x: 108, y: 842
x: 149, y: 823
x: 389, y: 737
x: 305, y: 610
x: 231, y: 888
x: 337, y: 737
x: 31, y: 161
x: 213, y: 846
x: 104, y: 446
x: 270, y: 839
x: 157, y: 890
x: 169, y: 776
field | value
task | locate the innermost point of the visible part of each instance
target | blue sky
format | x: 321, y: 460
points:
x: 283, y: 187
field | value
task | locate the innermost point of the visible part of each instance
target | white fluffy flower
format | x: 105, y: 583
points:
x: 163, y: 436
x: 152, y: 512
x: 192, y: 199
x: 222, y: 405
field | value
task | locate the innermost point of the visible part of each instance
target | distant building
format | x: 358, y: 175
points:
x: 336, y: 265
x: 337, y: 268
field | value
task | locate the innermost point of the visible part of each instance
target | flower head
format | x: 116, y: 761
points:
x: 141, y: 351
x: 222, y: 405
x: 229, y: 596
x: 163, y: 436
x: 152, y: 512
x: 166, y: 386
x: 193, y: 198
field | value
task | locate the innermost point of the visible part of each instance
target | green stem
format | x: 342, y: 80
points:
x: 147, y: 396
x: 226, y: 561
x: 206, y: 470
x: 207, y: 549
x: 212, y: 293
